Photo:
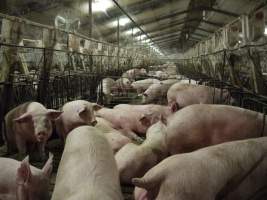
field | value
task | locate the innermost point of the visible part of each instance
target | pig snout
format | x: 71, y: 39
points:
x: 94, y: 122
x: 41, y: 136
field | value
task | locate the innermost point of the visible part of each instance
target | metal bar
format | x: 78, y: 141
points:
x: 169, y: 40
x: 118, y: 41
x: 90, y: 18
x: 171, y: 25
x: 170, y: 36
x: 137, y: 25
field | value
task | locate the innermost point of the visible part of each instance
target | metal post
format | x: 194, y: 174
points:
x: 90, y: 18
x: 118, y: 41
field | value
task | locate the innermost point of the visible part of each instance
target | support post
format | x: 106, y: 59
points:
x: 233, y: 75
x: 90, y: 19
x: 118, y: 42
x: 49, y: 44
x: 256, y: 73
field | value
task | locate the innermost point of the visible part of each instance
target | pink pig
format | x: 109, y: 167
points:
x: 181, y: 95
x: 115, y: 138
x: 134, y: 119
x: 76, y: 113
x: 27, y: 125
x: 135, y: 160
x: 201, y: 125
x: 232, y: 170
x: 21, y: 181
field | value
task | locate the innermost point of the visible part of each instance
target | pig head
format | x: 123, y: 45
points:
x: 31, y: 185
x: 39, y: 123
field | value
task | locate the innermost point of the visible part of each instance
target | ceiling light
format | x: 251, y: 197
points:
x: 123, y: 22
x: 132, y: 31
x: 97, y: 6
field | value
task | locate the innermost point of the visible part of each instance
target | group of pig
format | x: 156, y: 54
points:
x: 185, y: 146
x: 129, y: 81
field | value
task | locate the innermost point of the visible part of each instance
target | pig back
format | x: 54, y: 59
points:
x: 87, y: 168
x: 202, y: 125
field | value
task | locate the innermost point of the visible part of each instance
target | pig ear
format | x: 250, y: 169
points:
x: 48, y: 167
x: 149, y: 181
x: 23, y: 118
x: 24, y: 172
x: 53, y: 114
x: 82, y: 111
x: 96, y: 107
x: 174, y: 107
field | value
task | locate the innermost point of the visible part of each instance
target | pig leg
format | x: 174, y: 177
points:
x: 130, y: 134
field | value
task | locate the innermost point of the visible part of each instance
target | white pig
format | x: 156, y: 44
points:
x: 76, y: 113
x: 209, y: 173
x: 201, y: 125
x: 21, y: 181
x: 135, y: 161
x: 108, y: 87
x: 142, y: 85
x: 181, y: 95
x: 27, y: 125
x: 123, y: 85
x: 157, y: 92
x: 87, y: 169
x: 115, y: 138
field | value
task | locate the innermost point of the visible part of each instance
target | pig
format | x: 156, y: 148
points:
x: 114, y: 137
x: 209, y: 173
x: 123, y: 85
x: 87, y: 169
x: 157, y: 92
x: 201, y: 125
x: 27, y: 125
x: 132, y: 74
x: 108, y: 88
x: 21, y: 181
x: 181, y: 95
x: 161, y: 75
x: 141, y: 86
x: 134, y: 160
x: 143, y: 72
x: 124, y: 121
x: 76, y: 113
x: 138, y: 118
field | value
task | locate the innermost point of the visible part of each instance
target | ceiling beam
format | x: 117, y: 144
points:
x: 166, y: 35
x: 175, y: 14
x: 171, y: 39
x: 163, y: 32
x: 170, y: 25
x: 137, y: 25
x: 164, y: 38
